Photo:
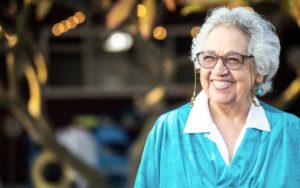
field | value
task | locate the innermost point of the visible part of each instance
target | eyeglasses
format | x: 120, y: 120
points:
x: 231, y: 60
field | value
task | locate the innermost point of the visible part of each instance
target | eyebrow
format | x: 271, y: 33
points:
x: 228, y: 53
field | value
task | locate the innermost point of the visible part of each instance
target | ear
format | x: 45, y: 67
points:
x: 259, y: 78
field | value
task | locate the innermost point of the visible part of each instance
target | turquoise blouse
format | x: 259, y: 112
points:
x: 264, y: 159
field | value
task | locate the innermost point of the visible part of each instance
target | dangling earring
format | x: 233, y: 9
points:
x: 259, y: 91
x: 195, y: 87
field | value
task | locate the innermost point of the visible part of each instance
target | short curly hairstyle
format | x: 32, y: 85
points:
x: 264, y: 43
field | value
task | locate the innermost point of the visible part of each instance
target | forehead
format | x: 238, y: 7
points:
x: 225, y: 38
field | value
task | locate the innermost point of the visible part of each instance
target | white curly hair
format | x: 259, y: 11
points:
x: 264, y: 43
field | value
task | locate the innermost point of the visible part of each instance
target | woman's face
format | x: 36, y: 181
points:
x: 223, y: 86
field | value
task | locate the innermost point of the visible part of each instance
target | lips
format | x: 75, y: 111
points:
x: 221, y: 84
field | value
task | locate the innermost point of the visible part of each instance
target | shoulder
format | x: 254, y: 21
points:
x: 277, y: 116
x: 176, y: 113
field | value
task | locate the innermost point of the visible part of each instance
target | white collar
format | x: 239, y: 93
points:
x: 200, y: 121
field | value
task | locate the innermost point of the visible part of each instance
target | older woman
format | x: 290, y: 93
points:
x: 228, y: 138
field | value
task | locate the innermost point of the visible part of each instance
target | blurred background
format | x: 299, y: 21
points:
x: 82, y: 82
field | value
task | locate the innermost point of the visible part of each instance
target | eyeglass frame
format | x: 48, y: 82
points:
x: 223, y: 60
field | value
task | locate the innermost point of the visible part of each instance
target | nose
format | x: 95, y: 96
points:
x: 219, y: 68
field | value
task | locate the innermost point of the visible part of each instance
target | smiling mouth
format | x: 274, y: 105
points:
x: 221, y: 84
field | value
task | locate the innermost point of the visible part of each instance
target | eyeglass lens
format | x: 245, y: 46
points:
x: 231, y: 61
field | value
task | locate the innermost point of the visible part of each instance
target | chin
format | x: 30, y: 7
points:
x: 223, y: 100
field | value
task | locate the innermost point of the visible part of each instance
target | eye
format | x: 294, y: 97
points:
x: 209, y: 57
x: 233, y: 59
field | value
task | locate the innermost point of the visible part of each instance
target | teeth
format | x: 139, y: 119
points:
x: 221, y: 84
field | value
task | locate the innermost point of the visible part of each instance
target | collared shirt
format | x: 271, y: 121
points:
x: 200, y: 121
x: 172, y: 158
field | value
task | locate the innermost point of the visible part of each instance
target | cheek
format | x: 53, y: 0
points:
x: 245, y: 79
x: 245, y: 84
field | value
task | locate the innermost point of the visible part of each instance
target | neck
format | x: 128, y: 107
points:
x: 233, y: 112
